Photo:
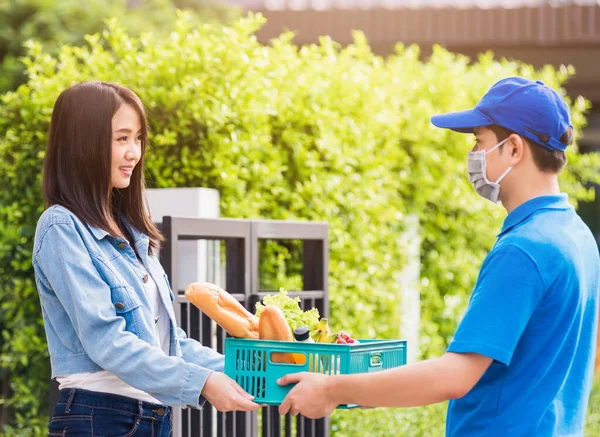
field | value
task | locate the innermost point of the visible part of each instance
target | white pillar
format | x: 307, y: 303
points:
x: 408, y: 279
x: 198, y: 260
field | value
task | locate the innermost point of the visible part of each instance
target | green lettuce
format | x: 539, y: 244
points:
x: 291, y: 310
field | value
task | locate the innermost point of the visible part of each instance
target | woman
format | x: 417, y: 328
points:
x: 115, y: 348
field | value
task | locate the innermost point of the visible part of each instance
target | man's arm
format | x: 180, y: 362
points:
x: 450, y: 377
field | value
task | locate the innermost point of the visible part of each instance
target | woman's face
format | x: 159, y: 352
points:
x: 126, y: 145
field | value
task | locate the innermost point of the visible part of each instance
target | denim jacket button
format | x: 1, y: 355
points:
x: 122, y: 245
x: 160, y: 411
x: 145, y: 278
x: 119, y: 305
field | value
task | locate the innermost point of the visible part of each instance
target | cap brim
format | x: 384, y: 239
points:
x: 463, y: 121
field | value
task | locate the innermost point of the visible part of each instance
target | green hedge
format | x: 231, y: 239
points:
x: 315, y: 133
x: 57, y: 22
x: 592, y: 425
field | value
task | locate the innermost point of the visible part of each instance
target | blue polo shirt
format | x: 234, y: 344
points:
x: 534, y: 311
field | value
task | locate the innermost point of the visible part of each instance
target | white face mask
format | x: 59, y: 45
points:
x: 478, y: 174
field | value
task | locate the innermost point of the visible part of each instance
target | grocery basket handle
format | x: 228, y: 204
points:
x: 298, y: 357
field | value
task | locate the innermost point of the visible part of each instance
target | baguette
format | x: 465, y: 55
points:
x: 273, y: 326
x: 224, y: 309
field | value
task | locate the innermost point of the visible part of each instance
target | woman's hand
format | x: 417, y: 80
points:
x: 225, y: 394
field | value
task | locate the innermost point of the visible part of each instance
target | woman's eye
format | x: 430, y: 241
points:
x: 122, y: 139
x: 140, y: 138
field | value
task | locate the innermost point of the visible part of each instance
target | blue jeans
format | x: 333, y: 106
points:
x: 84, y: 413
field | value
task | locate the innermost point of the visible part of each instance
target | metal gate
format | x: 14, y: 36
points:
x: 241, y: 239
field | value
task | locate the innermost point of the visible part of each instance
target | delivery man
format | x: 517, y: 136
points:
x: 522, y: 359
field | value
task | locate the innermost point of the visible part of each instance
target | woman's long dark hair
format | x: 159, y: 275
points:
x: 77, y: 164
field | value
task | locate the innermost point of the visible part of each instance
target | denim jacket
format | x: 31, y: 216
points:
x: 97, y: 316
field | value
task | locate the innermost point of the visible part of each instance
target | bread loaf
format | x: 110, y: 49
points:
x: 224, y: 309
x: 273, y: 326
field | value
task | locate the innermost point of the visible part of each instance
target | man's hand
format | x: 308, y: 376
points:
x: 310, y: 397
x: 226, y: 395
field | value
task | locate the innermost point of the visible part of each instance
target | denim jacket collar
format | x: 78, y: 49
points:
x: 140, y: 240
x: 98, y: 233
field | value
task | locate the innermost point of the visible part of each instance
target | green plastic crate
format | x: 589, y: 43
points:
x: 248, y: 362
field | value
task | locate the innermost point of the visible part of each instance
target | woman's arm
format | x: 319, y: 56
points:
x: 194, y: 352
x: 65, y: 267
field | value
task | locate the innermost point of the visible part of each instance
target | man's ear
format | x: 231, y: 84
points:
x: 516, y: 149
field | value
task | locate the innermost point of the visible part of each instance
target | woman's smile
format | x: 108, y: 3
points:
x: 127, y: 170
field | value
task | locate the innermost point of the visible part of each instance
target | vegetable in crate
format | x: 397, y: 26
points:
x: 272, y: 325
x: 291, y: 310
x: 224, y: 309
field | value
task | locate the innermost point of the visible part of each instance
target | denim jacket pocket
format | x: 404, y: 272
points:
x: 124, y: 298
x: 126, y: 303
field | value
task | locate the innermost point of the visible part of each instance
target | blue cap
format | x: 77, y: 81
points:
x: 523, y: 106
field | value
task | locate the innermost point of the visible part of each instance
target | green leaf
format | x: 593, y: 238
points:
x: 291, y: 310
